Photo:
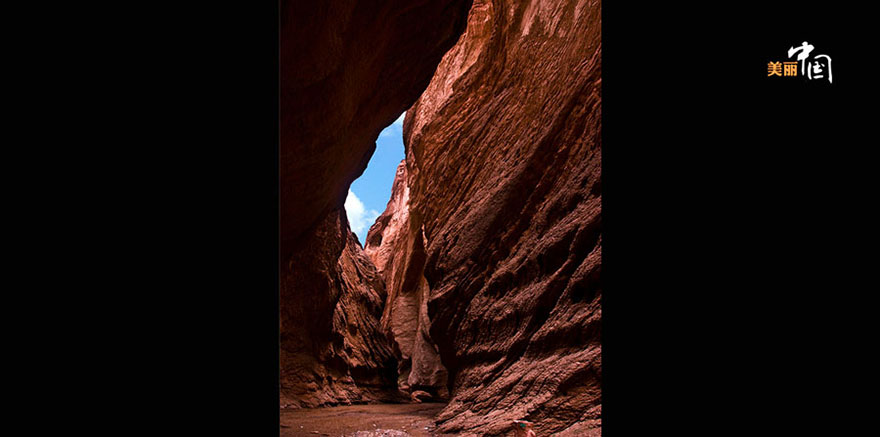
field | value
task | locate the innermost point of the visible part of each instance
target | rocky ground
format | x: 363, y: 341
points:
x: 386, y: 420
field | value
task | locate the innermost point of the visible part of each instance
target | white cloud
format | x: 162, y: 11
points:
x: 395, y: 128
x: 359, y: 218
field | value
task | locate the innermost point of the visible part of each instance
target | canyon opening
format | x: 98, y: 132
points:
x: 470, y: 304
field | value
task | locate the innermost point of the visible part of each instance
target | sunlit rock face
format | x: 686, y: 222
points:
x: 398, y: 252
x: 347, y: 70
x: 494, y: 242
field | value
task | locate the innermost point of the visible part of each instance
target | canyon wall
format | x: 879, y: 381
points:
x: 338, y: 356
x: 480, y: 282
x: 347, y: 70
x: 491, y: 247
x: 397, y: 249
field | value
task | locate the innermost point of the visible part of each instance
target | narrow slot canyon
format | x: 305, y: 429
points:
x: 473, y: 299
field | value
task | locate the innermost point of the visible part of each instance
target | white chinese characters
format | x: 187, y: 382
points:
x: 815, y: 67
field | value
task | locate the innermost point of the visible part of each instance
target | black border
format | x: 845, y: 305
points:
x: 735, y: 214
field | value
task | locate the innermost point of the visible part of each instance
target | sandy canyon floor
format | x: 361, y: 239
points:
x: 387, y: 420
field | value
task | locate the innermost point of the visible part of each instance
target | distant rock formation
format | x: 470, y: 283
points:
x: 397, y: 249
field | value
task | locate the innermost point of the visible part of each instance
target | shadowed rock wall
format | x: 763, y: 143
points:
x: 348, y: 69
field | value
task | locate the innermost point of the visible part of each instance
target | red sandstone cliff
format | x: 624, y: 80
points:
x: 397, y: 250
x: 498, y: 224
x: 483, y: 273
x: 347, y: 70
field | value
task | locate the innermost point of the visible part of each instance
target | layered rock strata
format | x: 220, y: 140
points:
x: 499, y: 223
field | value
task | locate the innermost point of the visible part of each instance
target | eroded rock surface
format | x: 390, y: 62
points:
x: 397, y: 249
x: 488, y: 258
x: 342, y: 357
x: 503, y: 229
x: 347, y: 70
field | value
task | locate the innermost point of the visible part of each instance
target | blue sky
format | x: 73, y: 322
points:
x: 369, y: 194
